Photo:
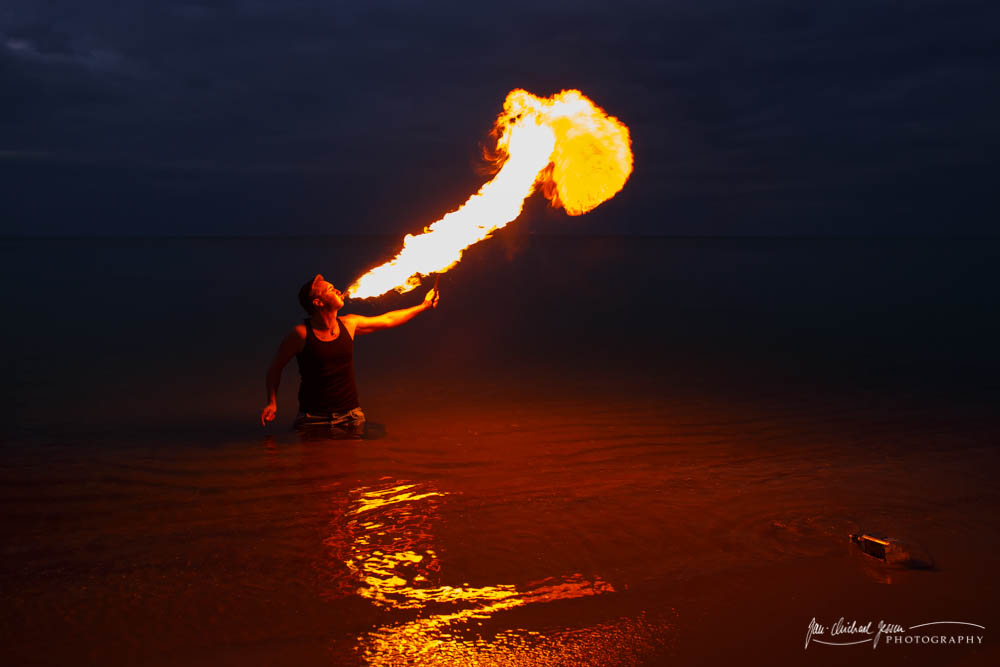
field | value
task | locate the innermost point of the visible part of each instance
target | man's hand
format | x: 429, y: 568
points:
x: 268, y: 414
x: 431, y: 299
x: 364, y: 325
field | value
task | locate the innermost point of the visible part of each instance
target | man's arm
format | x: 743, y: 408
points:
x: 393, y: 318
x: 290, y: 346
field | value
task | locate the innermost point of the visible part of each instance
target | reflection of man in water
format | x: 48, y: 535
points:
x: 324, y: 347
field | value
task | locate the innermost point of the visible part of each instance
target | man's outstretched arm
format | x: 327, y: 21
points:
x: 393, y: 318
x: 289, y: 347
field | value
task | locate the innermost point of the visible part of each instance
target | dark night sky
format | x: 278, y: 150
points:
x: 290, y: 117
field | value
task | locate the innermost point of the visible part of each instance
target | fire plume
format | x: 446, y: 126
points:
x: 565, y: 144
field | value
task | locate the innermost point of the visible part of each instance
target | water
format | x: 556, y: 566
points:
x: 597, y: 451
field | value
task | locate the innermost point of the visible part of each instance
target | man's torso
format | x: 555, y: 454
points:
x: 327, y: 370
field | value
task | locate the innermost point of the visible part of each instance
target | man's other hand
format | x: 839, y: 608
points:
x: 268, y: 414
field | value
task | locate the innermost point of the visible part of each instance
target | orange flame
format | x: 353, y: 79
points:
x: 578, y: 154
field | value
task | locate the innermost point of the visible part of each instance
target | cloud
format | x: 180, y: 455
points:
x: 721, y: 96
x: 95, y: 60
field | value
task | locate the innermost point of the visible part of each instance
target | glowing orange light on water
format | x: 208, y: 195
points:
x: 565, y: 144
x: 389, y: 550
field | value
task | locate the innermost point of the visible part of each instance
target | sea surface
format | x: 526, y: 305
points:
x: 595, y: 451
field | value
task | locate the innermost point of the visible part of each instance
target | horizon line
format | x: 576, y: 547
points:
x: 265, y: 237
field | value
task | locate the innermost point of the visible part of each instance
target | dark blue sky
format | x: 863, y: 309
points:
x: 287, y: 117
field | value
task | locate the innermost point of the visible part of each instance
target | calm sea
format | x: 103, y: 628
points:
x: 597, y: 451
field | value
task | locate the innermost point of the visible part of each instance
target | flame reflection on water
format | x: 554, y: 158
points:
x: 387, y: 546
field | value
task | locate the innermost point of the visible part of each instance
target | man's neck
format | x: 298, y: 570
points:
x: 324, y: 320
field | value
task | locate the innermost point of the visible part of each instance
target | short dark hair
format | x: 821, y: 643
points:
x: 306, y: 294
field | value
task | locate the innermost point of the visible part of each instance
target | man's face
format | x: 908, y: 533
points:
x: 330, y: 296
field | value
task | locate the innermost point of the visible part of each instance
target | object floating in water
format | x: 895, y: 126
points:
x: 892, y: 551
x: 873, y: 546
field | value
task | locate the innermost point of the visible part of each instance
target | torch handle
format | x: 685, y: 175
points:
x: 437, y: 279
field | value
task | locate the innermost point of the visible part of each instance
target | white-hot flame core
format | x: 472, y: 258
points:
x: 591, y: 157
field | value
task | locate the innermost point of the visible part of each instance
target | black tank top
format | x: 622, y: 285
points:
x: 327, y: 369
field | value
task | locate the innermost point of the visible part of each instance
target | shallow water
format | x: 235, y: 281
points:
x: 571, y: 473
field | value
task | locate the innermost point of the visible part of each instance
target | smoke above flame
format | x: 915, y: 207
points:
x: 565, y: 144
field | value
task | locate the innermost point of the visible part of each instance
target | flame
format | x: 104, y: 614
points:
x: 579, y: 155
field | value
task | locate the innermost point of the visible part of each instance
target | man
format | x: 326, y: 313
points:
x: 324, y: 347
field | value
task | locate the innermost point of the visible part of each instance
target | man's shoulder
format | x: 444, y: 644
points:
x: 350, y: 321
x: 292, y: 343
